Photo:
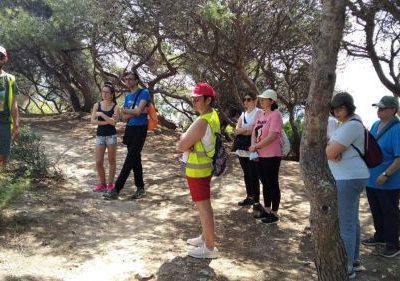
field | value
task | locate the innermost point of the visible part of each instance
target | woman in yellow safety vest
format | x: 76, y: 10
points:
x: 198, y: 147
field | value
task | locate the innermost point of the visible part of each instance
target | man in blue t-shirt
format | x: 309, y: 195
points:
x: 135, y: 113
x: 383, y: 189
x: 9, y: 118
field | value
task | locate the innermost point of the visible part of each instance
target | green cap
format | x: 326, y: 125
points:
x: 340, y: 99
x: 388, y: 101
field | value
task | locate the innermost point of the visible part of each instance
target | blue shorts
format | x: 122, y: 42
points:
x: 5, y: 139
x: 106, y: 140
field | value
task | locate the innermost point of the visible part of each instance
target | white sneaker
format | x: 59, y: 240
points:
x: 197, y: 242
x: 203, y: 252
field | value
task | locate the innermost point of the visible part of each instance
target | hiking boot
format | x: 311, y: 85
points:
x: 358, y: 267
x: 203, y: 252
x: 372, y: 242
x: 197, y: 242
x: 246, y: 202
x: 270, y: 219
x: 111, y: 195
x: 99, y: 188
x: 390, y: 252
x: 259, y: 212
x: 110, y: 187
x: 140, y: 192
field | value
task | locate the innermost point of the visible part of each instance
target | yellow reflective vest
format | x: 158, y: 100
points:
x: 199, y: 162
x: 11, y: 80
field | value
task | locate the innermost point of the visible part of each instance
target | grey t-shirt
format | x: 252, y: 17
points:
x: 351, y: 166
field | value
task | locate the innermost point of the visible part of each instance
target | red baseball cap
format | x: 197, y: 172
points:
x: 203, y: 89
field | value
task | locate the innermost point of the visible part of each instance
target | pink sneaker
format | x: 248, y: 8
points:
x: 110, y: 186
x: 99, y: 187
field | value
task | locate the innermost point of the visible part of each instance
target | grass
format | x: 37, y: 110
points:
x: 10, y: 188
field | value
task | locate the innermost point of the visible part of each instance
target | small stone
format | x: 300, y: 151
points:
x: 205, y: 272
x: 144, y: 276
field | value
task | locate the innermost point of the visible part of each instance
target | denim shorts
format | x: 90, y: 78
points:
x: 5, y: 139
x: 106, y: 140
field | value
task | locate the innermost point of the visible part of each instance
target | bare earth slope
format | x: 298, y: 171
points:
x: 67, y: 232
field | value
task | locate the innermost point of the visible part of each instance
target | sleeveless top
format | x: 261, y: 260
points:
x: 106, y: 130
x: 199, y: 160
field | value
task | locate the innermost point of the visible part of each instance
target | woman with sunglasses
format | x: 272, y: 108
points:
x: 198, y: 147
x: 135, y: 115
x: 266, y: 141
x: 244, y: 127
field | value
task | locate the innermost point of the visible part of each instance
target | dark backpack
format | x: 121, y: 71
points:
x: 220, y: 157
x: 373, y: 155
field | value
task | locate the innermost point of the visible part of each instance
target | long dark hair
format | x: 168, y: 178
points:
x: 274, y: 106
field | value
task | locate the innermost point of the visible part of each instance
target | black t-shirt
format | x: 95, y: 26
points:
x: 106, y: 130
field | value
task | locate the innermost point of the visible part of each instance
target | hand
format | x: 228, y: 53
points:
x: 239, y: 131
x: 125, y: 117
x: 15, y: 132
x: 381, y: 179
x: 252, y: 148
x: 338, y: 157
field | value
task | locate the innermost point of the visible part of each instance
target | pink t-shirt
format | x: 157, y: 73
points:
x: 269, y: 122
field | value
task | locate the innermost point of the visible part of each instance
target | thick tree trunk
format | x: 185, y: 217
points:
x: 329, y: 252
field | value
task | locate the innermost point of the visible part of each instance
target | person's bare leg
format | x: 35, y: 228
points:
x: 100, y: 149
x: 112, y: 162
x: 207, y: 222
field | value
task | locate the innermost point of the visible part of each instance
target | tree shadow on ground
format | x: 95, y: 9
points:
x: 71, y: 222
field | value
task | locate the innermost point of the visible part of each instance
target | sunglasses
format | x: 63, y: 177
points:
x: 195, y: 99
x: 247, y: 99
x: 383, y: 108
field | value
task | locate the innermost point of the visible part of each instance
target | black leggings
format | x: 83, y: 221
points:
x: 251, y: 181
x: 268, y: 171
x: 135, y: 137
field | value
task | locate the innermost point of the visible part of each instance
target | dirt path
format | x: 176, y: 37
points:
x: 67, y: 232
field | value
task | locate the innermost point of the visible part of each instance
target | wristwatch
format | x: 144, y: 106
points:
x: 385, y: 174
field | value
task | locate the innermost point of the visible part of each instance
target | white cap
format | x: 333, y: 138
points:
x: 269, y: 94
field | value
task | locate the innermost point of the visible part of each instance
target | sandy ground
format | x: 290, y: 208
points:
x: 67, y: 232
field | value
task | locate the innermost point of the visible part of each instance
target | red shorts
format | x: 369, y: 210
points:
x: 199, y: 188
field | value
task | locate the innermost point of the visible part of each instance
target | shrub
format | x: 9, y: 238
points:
x: 28, y: 154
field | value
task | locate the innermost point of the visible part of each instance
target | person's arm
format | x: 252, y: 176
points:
x: 128, y: 113
x: 95, y: 115
x: 108, y: 120
x: 265, y: 141
x: 334, y: 150
x: 382, y: 178
x: 195, y: 132
x: 116, y: 115
x: 15, y: 118
x: 239, y: 130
